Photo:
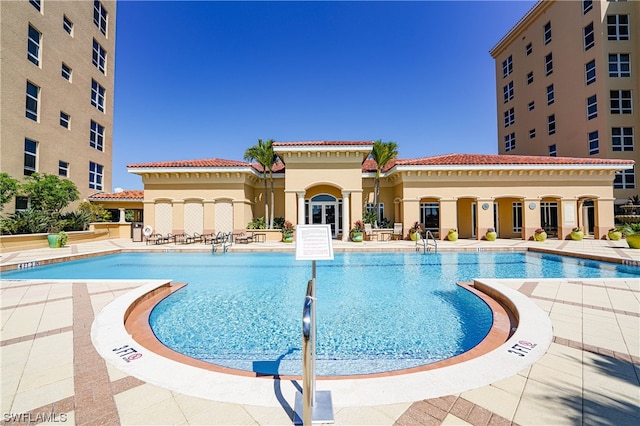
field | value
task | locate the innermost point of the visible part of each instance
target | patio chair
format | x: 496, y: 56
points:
x: 182, y: 238
x: 368, y: 232
x: 195, y: 237
x: 154, y: 239
x: 397, y: 231
x: 168, y: 238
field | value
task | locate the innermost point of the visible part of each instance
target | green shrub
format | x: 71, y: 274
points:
x: 257, y: 223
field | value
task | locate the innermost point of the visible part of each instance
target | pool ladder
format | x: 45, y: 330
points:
x: 427, y: 243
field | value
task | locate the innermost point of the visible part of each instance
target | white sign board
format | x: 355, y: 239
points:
x: 313, y: 242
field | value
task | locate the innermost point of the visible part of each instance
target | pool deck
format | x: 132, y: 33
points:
x: 51, y: 372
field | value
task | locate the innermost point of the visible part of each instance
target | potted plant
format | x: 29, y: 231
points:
x: 539, y: 235
x: 287, y: 232
x: 357, y: 231
x: 452, y: 235
x: 414, y: 231
x: 62, y: 238
x: 614, y: 234
x: 491, y: 234
x: 632, y: 235
x: 576, y: 234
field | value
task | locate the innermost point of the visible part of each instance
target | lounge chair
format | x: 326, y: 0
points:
x: 397, y: 231
x: 195, y: 237
x: 182, y: 238
x: 168, y: 238
x: 154, y: 239
x: 242, y: 238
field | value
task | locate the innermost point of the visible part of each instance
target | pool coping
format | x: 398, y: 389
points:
x: 119, y: 348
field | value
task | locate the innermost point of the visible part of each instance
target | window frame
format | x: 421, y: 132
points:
x: 27, y: 168
x: 96, y: 135
x: 592, y: 107
x: 33, y: 44
x: 531, y: 106
x: 65, y: 120
x: 528, y: 50
x: 551, y: 124
x: 619, y: 63
x: 546, y: 36
x: 589, y: 37
x: 67, y: 25
x: 510, y: 142
x: 66, y: 72
x: 509, y: 117
x: 98, y: 95
x: 100, y: 16
x: 63, y: 168
x: 624, y: 104
x: 625, y: 179
x: 530, y: 77
x: 99, y: 57
x: 624, y: 141
x: 593, y: 141
x: 551, y: 96
x: 548, y: 64
x: 553, y: 150
x: 590, y: 68
x: 516, y: 216
x: 30, y: 113
x: 37, y: 4
x: 618, y: 26
x: 508, y: 92
x: 587, y: 5
x: 96, y: 176
x: 532, y: 133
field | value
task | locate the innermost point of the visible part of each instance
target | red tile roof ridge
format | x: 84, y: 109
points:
x: 324, y: 143
x: 129, y: 194
x: 206, y: 162
x: 501, y: 159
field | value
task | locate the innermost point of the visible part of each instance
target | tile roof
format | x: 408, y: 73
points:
x: 277, y: 167
x: 495, y: 159
x: 207, y: 162
x: 323, y: 143
x: 123, y: 195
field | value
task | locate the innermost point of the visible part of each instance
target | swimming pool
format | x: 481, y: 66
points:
x: 243, y: 310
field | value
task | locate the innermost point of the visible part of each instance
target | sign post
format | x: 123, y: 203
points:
x: 313, y: 242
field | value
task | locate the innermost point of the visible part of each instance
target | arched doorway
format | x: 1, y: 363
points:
x: 324, y: 209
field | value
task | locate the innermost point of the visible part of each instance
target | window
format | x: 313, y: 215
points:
x: 552, y: 150
x: 22, y: 204
x: 587, y: 5
x: 430, y: 215
x: 516, y: 211
x: 37, y: 4
x: 592, y: 107
x: 532, y: 133
x: 97, y: 95
x: 95, y: 176
x: 30, y: 156
x: 507, y: 66
x: 508, y: 92
x: 530, y: 78
x: 33, y: 45
x: 369, y: 208
x: 529, y: 49
x: 100, y: 16
x: 65, y: 120
x: 66, y: 72
x: 594, y: 144
x: 551, y: 98
x: 589, y: 37
x: 531, y: 106
x: 99, y: 57
x: 510, y: 142
x: 509, y: 117
x: 548, y: 63
x: 63, y: 169
x: 33, y: 94
x: 67, y: 24
x: 618, y: 27
x: 622, y: 138
x: 620, y: 101
x: 625, y: 179
x: 551, y: 124
x: 619, y: 65
x: 96, y: 136
x: 547, y: 33
x: 590, y: 72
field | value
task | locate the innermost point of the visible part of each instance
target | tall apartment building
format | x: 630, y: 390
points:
x: 56, y: 91
x: 567, y: 84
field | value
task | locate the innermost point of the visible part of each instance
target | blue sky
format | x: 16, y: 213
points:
x: 207, y: 79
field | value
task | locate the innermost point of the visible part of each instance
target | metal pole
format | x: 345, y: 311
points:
x: 313, y: 333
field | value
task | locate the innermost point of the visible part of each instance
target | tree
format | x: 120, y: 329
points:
x: 50, y: 194
x: 264, y: 154
x: 382, y: 153
x: 8, y: 188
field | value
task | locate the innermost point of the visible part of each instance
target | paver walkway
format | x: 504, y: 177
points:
x: 51, y: 373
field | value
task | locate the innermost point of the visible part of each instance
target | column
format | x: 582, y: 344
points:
x: 149, y: 208
x: 530, y: 217
x: 122, y: 215
x: 178, y: 216
x: 411, y: 214
x: 604, y: 216
x: 484, y: 219
x: 568, y: 217
x: 346, y: 216
x: 449, y: 217
x: 300, y: 196
x: 209, y: 216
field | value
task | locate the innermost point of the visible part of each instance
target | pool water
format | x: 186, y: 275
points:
x: 376, y: 311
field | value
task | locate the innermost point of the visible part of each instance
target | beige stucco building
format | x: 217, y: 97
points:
x: 57, y: 91
x: 567, y: 84
x: 331, y: 182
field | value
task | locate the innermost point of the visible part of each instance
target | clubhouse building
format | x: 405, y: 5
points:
x: 332, y: 182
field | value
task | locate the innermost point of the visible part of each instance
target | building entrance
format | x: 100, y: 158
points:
x: 324, y: 209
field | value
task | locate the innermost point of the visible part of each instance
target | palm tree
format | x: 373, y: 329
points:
x: 382, y: 153
x: 264, y: 154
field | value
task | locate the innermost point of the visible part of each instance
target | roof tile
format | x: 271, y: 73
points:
x: 123, y: 195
